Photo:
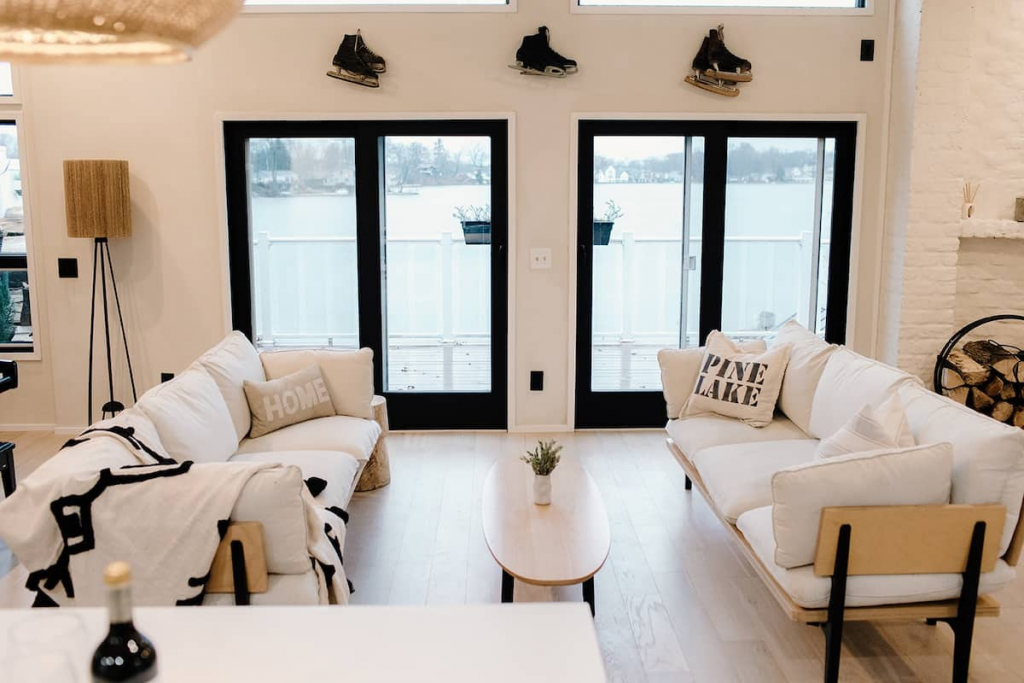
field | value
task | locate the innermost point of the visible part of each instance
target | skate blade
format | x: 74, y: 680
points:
x: 550, y: 72
x: 358, y: 80
x: 725, y: 90
x: 730, y: 76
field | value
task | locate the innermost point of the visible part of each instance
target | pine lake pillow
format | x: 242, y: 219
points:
x: 288, y: 400
x: 742, y: 385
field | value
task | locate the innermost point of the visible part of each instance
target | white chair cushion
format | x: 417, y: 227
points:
x: 679, y: 370
x: 274, y: 499
x: 339, y: 470
x: 810, y: 591
x: 871, y: 429
x: 988, y: 457
x: 909, y: 476
x: 282, y: 589
x: 230, y: 363
x: 348, y: 374
x: 807, y: 359
x: 738, y: 477
x: 694, y: 434
x: 850, y: 382
x: 191, y: 417
x: 351, y: 435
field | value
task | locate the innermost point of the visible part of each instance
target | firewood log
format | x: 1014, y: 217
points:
x: 986, y: 352
x: 1010, y: 369
x: 1018, y: 418
x: 972, y: 372
x: 980, y: 400
x: 993, y: 387
x: 1009, y: 391
x: 959, y: 394
x: 1002, y: 411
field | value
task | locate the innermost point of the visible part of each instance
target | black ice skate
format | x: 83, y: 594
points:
x: 725, y: 65
x: 369, y: 57
x: 349, y: 66
x: 701, y: 78
x: 535, y: 57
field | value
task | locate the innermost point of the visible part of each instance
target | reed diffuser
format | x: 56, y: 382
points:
x: 970, y: 192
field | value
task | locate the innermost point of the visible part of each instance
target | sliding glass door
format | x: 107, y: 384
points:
x: 382, y: 234
x: 690, y: 226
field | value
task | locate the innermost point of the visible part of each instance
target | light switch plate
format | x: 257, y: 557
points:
x: 540, y: 259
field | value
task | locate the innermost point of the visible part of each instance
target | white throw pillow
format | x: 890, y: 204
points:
x: 348, y: 374
x: 910, y: 476
x: 679, y: 369
x: 871, y: 429
x: 231, y: 363
x: 807, y: 360
x: 191, y: 418
x: 737, y: 384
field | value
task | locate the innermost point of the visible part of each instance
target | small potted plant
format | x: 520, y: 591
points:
x: 543, y: 460
x: 476, y: 223
x: 603, y: 224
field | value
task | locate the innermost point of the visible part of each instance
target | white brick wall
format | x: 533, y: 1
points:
x: 967, y: 122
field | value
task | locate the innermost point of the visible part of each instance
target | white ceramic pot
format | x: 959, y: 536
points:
x: 542, y: 489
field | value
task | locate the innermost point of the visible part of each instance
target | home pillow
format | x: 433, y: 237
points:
x: 347, y: 374
x: 679, y: 368
x: 737, y: 384
x: 807, y: 361
x: 920, y: 475
x: 871, y: 429
x: 293, y: 398
x: 191, y: 418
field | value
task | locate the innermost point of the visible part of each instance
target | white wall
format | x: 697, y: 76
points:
x: 162, y: 119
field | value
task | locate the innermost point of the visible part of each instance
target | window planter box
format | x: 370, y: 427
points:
x: 603, y: 232
x: 476, y: 232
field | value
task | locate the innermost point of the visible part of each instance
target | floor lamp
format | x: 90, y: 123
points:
x: 98, y: 207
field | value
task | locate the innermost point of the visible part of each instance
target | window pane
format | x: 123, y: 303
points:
x: 437, y: 263
x: 646, y: 259
x: 724, y: 3
x: 15, y: 308
x: 303, y: 217
x: 825, y: 249
x: 773, y: 247
x: 12, y: 220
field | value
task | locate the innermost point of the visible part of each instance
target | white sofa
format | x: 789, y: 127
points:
x: 733, y: 465
x: 202, y: 415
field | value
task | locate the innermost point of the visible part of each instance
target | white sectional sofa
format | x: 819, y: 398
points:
x: 735, y: 467
x: 202, y: 415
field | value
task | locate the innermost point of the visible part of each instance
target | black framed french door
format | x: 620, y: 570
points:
x: 390, y: 235
x: 685, y: 227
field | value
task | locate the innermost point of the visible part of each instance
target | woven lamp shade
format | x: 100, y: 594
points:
x: 96, y: 198
x: 109, y: 30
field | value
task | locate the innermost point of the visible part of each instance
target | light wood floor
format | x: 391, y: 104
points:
x: 675, y: 601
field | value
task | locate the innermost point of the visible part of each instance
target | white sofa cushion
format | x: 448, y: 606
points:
x: 349, y: 375
x: 738, y: 477
x: 694, y: 434
x: 909, y: 476
x: 871, y: 429
x: 988, y: 457
x: 807, y: 358
x: 351, y: 435
x: 850, y: 382
x: 338, y: 470
x: 231, y: 363
x: 282, y: 589
x: 810, y: 591
x: 742, y: 385
x: 679, y: 370
x: 191, y: 417
x: 274, y: 499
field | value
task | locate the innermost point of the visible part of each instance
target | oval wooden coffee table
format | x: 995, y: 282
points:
x: 561, y: 544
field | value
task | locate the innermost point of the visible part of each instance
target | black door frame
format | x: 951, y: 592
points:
x: 647, y: 408
x: 406, y: 410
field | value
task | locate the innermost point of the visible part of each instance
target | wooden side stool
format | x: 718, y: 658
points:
x: 377, y: 473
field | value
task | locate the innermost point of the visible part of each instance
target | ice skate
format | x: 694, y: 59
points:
x: 349, y: 66
x: 724, y: 65
x: 701, y: 79
x: 369, y: 57
x: 535, y: 57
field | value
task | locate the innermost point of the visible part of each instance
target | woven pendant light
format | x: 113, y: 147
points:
x: 158, y: 31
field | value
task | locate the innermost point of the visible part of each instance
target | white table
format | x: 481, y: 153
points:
x: 449, y: 644
x: 560, y: 544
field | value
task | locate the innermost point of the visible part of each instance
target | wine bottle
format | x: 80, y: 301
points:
x: 125, y: 655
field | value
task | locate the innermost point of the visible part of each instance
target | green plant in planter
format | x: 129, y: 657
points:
x: 612, y: 212
x: 472, y: 214
x: 545, y: 458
